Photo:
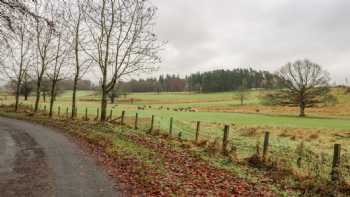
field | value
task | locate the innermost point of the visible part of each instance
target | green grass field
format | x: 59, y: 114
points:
x: 88, y: 99
x: 319, y: 131
x: 165, y: 105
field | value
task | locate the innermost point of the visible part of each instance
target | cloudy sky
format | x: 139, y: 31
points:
x: 211, y: 34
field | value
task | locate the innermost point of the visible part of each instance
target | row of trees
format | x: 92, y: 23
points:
x: 167, y: 83
x: 57, y: 39
x: 228, y: 80
x: 245, y: 78
x: 211, y: 81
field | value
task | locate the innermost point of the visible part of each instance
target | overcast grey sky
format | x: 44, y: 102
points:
x: 211, y: 34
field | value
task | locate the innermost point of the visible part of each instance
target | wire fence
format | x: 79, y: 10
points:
x: 280, y: 151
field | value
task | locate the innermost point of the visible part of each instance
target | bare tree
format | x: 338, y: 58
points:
x: 58, y: 71
x: 27, y: 87
x: 14, y: 64
x: 121, y: 40
x: 74, y: 21
x: 306, y: 83
x: 44, y: 41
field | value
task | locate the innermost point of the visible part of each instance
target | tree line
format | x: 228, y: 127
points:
x: 211, y: 81
x: 229, y: 80
x: 164, y: 83
x: 235, y: 80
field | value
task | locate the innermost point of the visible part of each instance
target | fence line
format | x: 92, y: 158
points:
x: 335, y: 173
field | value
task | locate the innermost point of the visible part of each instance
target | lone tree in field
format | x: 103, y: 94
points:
x: 121, y: 41
x: 306, y: 84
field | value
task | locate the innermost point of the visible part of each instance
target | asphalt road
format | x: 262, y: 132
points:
x: 38, y: 161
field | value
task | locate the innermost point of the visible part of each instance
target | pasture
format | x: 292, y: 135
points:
x: 317, y: 133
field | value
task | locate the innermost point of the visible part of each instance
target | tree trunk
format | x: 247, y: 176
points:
x: 104, y: 98
x: 104, y: 106
x: 37, y: 100
x: 302, y: 109
x: 26, y: 96
x: 75, y: 87
x: 52, y: 98
x: 77, y: 67
x: 44, y: 96
x: 18, y: 86
x: 113, y: 98
x: 25, y: 88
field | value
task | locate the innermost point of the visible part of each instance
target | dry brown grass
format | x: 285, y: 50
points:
x: 249, y: 132
x: 314, y: 136
x: 338, y: 110
x: 342, y: 109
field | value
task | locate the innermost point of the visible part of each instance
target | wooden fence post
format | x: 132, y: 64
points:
x: 171, y: 126
x: 336, y: 162
x: 67, y: 113
x: 136, y: 121
x: 86, y: 114
x: 152, y: 124
x: 44, y: 109
x: 225, y: 139
x: 197, y: 130
x: 59, y: 111
x: 111, y: 114
x: 266, y: 145
x: 123, y: 117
